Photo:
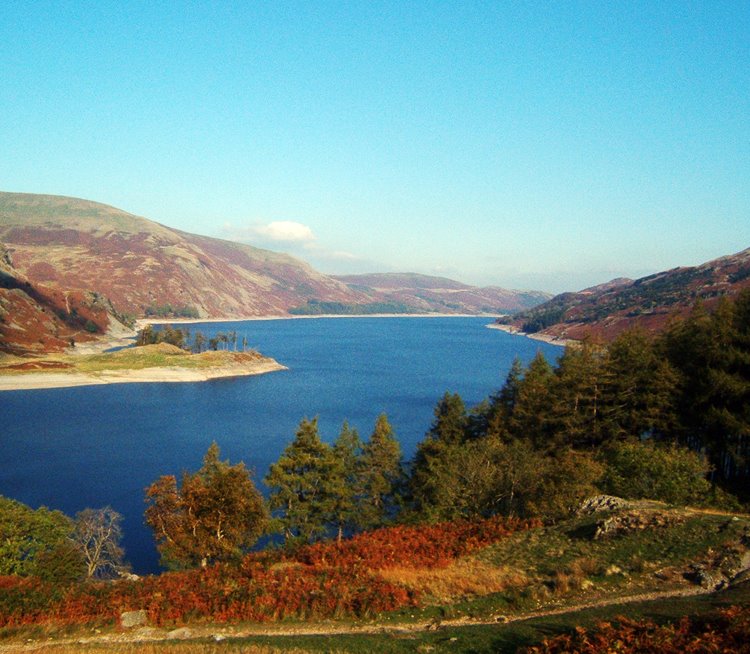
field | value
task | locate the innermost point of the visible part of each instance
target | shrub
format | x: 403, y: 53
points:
x: 671, y: 474
x: 324, y: 580
x: 729, y: 632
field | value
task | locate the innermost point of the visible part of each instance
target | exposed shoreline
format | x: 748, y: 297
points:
x: 38, y: 380
x: 46, y: 380
x: 552, y: 340
x: 156, y: 363
x: 141, y: 322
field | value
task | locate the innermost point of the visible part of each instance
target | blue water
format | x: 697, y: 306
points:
x: 94, y: 446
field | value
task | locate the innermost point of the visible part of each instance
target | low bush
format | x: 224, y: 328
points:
x: 729, y: 632
x: 325, y: 580
x: 420, y: 546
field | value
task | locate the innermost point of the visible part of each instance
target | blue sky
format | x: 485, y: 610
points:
x: 547, y: 145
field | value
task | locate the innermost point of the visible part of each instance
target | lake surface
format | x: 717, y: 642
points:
x: 94, y: 446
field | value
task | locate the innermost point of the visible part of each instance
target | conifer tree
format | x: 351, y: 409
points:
x: 577, y: 396
x: 712, y: 354
x: 433, y: 469
x: 639, y: 389
x: 304, y: 483
x: 450, y: 421
x: 502, y: 403
x: 531, y: 418
x: 347, y: 450
x: 381, y: 475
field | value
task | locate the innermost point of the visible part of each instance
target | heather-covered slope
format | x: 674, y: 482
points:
x: 37, y: 319
x: 649, y: 302
x: 139, y: 264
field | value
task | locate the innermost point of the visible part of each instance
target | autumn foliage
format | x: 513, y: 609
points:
x: 727, y: 632
x: 422, y: 546
x: 320, y: 581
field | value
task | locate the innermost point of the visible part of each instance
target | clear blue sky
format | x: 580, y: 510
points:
x: 547, y: 145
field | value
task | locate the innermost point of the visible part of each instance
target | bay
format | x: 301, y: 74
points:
x: 93, y: 446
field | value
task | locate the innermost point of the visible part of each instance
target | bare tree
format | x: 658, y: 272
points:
x: 97, y: 535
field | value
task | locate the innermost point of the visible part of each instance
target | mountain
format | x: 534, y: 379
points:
x: 144, y: 267
x: 439, y: 294
x: 39, y: 319
x: 650, y: 302
x: 148, y: 269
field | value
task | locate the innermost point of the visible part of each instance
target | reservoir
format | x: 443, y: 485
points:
x: 94, y: 446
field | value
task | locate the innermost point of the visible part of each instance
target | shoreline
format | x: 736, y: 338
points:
x: 141, y: 322
x: 45, y: 380
x: 544, y: 338
x: 49, y: 380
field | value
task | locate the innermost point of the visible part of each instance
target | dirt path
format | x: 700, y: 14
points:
x: 150, y: 635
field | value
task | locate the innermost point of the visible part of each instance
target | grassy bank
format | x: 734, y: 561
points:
x: 149, y: 363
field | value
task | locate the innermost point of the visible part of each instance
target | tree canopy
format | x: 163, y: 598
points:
x: 215, y: 514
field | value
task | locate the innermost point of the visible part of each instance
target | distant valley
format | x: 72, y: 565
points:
x: 114, y: 267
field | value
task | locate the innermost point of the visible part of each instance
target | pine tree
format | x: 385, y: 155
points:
x: 577, y: 396
x: 503, y: 403
x: 451, y: 420
x: 381, y: 475
x: 712, y: 354
x: 347, y: 450
x: 433, y: 470
x: 639, y: 389
x: 531, y: 417
x: 304, y: 483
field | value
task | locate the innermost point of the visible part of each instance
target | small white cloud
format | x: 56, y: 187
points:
x: 284, y: 231
x: 299, y: 241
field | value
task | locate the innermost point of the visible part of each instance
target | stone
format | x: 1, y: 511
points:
x: 130, y: 619
x: 599, y: 503
x: 180, y: 634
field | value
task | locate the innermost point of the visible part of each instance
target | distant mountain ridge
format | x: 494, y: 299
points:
x: 69, y: 245
x: 650, y: 302
x: 428, y: 293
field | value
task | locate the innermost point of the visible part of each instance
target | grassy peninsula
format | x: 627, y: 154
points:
x: 160, y: 362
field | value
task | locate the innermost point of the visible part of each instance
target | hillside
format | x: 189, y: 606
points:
x: 649, y: 303
x: 145, y: 268
x: 428, y: 293
x: 37, y: 319
x: 140, y: 265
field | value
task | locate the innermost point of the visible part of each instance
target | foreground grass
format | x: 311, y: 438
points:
x: 561, y: 565
x: 475, y: 639
x: 526, y: 587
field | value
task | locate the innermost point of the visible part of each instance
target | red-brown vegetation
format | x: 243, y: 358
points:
x: 322, y: 581
x: 727, y: 632
x: 422, y: 546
